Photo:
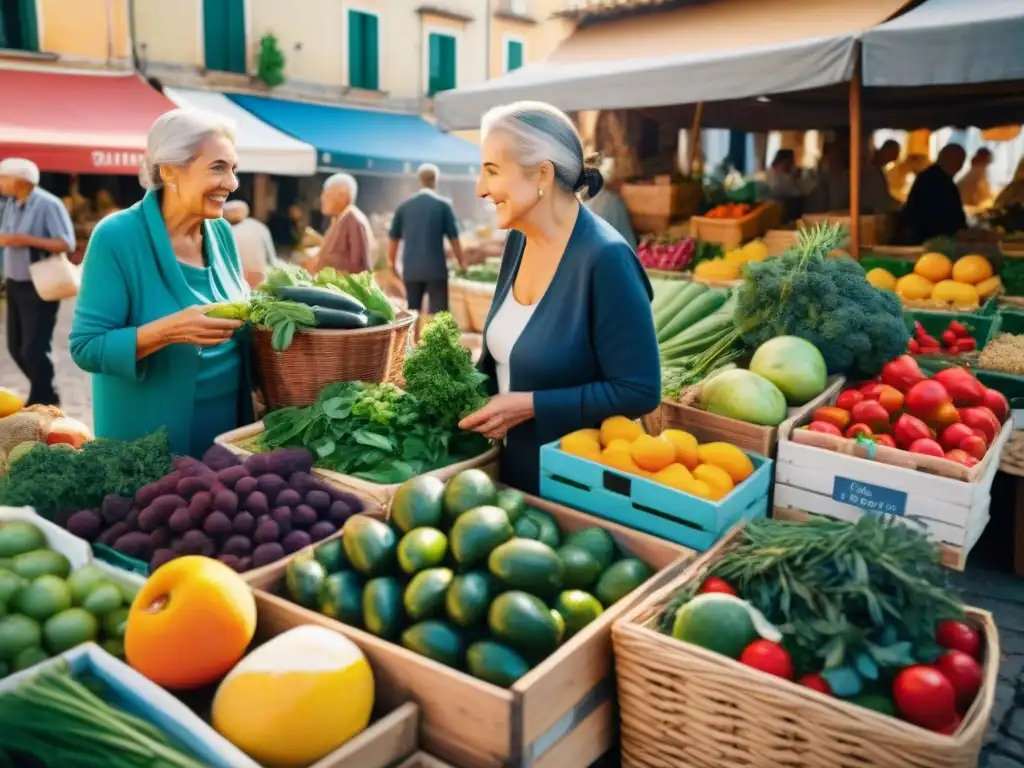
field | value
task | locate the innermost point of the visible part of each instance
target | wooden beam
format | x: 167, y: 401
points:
x: 856, y: 149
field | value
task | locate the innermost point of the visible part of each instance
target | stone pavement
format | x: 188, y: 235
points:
x: 988, y: 582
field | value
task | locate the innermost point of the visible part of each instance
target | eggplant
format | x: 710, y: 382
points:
x: 321, y: 297
x: 335, y: 319
x: 374, y: 319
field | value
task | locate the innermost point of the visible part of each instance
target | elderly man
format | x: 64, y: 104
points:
x: 34, y: 225
x: 421, y: 225
x: 254, y: 242
x: 349, y: 245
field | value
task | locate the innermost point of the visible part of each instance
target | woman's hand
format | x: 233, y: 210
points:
x: 501, y: 413
x: 189, y: 326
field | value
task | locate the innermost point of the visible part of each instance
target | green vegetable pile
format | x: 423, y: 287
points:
x: 55, y: 480
x: 479, y: 273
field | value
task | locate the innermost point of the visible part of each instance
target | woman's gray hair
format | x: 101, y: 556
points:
x: 175, y: 138
x: 542, y: 132
x: 346, y: 180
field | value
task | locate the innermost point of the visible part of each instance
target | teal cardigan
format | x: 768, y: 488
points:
x: 131, y: 277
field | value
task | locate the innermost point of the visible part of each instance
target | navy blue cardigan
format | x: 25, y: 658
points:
x: 589, y: 351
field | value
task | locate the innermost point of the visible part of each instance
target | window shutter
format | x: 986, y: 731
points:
x: 237, y: 48
x: 371, y: 52
x: 214, y: 35
x: 356, y: 72
x: 448, y: 59
x: 514, y: 55
x: 435, y: 65
x: 29, y: 25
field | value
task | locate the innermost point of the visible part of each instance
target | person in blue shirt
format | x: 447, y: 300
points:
x: 569, y: 340
x: 149, y: 275
x: 34, y: 225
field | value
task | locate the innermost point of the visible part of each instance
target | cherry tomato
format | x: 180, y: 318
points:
x: 925, y: 696
x: 815, y: 682
x: 958, y: 636
x: 715, y: 584
x: 964, y: 672
x: 958, y: 328
x: 768, y: 657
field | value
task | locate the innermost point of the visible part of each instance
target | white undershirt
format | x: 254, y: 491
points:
x: 502, y: 334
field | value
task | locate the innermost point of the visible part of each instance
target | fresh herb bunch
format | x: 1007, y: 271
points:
x: 440, y: 374
x: 375, y: 432
x: 852, y: 599
x: 283, y: 318
x: 54, y: 480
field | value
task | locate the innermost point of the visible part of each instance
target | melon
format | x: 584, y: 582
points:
x: 296, y: 698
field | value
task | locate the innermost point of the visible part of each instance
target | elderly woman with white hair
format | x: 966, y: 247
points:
x: 150, y: 273
x: 349, y: 245
x: 569, y: 340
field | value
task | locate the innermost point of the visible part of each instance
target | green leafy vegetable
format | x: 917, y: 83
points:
x: 284, y: 318
x: 362, y: 287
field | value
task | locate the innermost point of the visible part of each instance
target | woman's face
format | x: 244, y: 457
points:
x: 512, y: 189
x: 203, y: 186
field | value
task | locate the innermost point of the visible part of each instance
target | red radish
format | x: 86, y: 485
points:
x: 849, y: 398
x: 974, y: 446
x: 904, y: 372
x: 980, y: 417
x: 872, y: 413
x: 961, y: 457
x: 825, y: 427
x: 716, y: 585
x: 906, y: 429
x: 948, y: 338
x: 928, y: 340
x: 925, y: 696
x: 964, y: 672
x: 933, y: 349
x: 964, y: 390
x: 858, y: 429
x: 885, y: 440
x: 925, y: 397
x: 996, y: 402
x: 927, y: 447
x: 768, y: 657
x: 913, y: 346
x: 955, y: 434
x: 815, y: 682
x: 958, y: 636
x: 958, y: 328
x: 965, y: 345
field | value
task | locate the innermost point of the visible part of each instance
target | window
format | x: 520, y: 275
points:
x: 18, y: 27
x: 513, y: 54
x: 363, y: 50
x: 441, y: 67
x: 224, y: 35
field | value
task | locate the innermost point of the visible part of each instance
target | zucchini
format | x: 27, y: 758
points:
x: 675, y: 305
x: 321, y: 297
x: 329, y: 318
x: 664, y: 291
x: 677, y: 351
x: 710, y: 325
x: 699, y: 308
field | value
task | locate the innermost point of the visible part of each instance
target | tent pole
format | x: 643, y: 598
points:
x: 856, y: 141
x: 695, y: 143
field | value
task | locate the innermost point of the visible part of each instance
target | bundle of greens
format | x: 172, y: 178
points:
x: 283, y: 318
x: 374, y: 432
x: 440, y: 374
x: 55, y: 480
x: 860, y: 597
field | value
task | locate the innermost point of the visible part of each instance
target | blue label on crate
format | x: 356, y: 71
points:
x: 873, y: 498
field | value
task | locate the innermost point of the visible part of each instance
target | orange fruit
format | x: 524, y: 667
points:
x: 652, y: 453
x: 685, y: 445
x: 933, y: 267
x: 619, y: 428
x: 972, y: 269
x: 674, y: 476
x: 730, y: 458
x: 881, y: 278
x: 700, y: 489
x: 616, y: 458
x: 914, y: 287
x: 618, y: 444
x: 191, y: 622
x: 960, y: 295
x: 718, y: 479
x: 583, y: 443
x: 989, y: 287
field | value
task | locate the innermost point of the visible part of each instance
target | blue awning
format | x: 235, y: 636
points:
x: 363, y: 140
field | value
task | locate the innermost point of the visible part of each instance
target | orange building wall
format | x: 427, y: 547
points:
x: 85, y: 29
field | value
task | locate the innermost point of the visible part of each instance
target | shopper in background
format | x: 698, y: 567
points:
x: 875, y: 197
x: 349, y: 245
x: 1013, y: 193
x: 933, y: 206
x: 253, y: 240
x: 34, y: 225
x: 420, y: 225
x: 610, y: 206
x: 781, y: 178
x: 974, y: 187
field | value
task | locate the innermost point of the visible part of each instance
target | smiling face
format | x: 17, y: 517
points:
x: 203, y: 186
x: 512, y: 189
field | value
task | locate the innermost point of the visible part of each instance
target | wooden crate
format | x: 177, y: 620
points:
x: 875, y: 229
x: 423, y: 760
x: 392, y: 738
x: 560, y: 714
x: 687, y: 415
x: 731, y: 233
x: 778, y: 241
x: 653, y: 206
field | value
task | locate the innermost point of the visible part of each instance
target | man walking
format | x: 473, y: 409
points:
x: 34, y: 225
x: 349, y: 245
x: 421, y: 224
x: 255, y: 244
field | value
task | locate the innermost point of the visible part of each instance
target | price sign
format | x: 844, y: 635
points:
x: 872, y: 498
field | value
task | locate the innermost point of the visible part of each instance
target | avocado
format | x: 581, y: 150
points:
x: 20, y: 536
x: 577, y: 608
x: 68, y: 629
x: 83, y: 581
x: 477, y: 532
x: 342, y: 597
x: 468, y: 490
x: 383, y: 614
x: 422, y: 548
x: 304, y: 579
x: 469, y: 597
x: 581, y: 569
x: 424, y: 597
x: 620, y: 579
x: 495, y: 663
x: 528, y: 565
x: 418, y: 503
x: 524, y: 623
x: 114, y: 623
x: 43, y: 598
x: 29, y: 658
x: 18, y: 632
x: 10, y: 584
x: 32, y: 565
x: 513, y: 502
x: 545, y: 526
x: 436, y: 640
x: 331, y: 555
x: 597, y: 541
x: 105, y: 599
x: 369, y: 545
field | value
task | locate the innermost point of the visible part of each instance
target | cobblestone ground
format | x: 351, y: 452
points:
x: 988, y: 582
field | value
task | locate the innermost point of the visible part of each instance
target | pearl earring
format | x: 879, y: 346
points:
x: 540, y: 193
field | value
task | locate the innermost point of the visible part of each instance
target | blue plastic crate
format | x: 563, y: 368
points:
x: 651, y: 507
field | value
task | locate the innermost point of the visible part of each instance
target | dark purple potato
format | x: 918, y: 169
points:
x: 284, y: 463
x: 231, y: 561
x: 288, y: 497
x: 188, y: 466
x: 271, y: 486
x: 283, y: 517
x: 189, y: 486
x: 132, y: 520
x: 246, y: 485
x: 115, y: 508
x: 147, y: 494
x: 355, y: 504
x: 218, y: 457
x: 319, y: 500
x: 257, y: 502
x: 180, y: 521
x: 237, y: 545
x: 200, y: 506
x: 257, y: 464
x: 112, y: 534
x: 301, y: 482
x: 321, y: 530
x: 303, y: 516
x: 265, y: 554
x: 295, y: 541
x: 87, y: 524
x: 230, y: 476
x: 168, y: 483
x: 160, y: 557
x: 243, y: 524
x: 197, y: 543
x: 226, y: 502
x: 339, y: 513
x: 137, y: 544
x: 244, y: 564
x: 160, y: 511
x: 267, y: 532
x: 217, y: 524
x: 160, y: 538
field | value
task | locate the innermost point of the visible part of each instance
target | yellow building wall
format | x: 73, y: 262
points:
x: 169, y: 32
x: 84, y: 29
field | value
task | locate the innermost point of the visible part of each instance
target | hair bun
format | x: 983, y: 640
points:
x: 590, y: 180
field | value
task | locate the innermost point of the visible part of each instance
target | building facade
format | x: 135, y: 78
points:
x: 88, y: 33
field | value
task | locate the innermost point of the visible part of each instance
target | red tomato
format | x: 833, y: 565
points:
x: 924, y: 696
x: 958, y: 636
x: 768, y: 657
x: 952, y: 727
x: 715, y: 584
x: 825, y: 428
x: 815, y: 682
x: 964, y: 672
x: 849, y: 398
x: 886, y: 440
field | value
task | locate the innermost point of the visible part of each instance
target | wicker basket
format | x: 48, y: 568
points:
x: 317, y: 358
x: 478, y: 303
x: 457, y: 304
x: 681, y: 705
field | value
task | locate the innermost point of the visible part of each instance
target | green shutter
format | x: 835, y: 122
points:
x: 19, y: 29
x: 224, y: 35
x: 442, y: 63
x: 371, y: 51
x: 363, y: 42
x: 514, y: 55
x: 29, y: 25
